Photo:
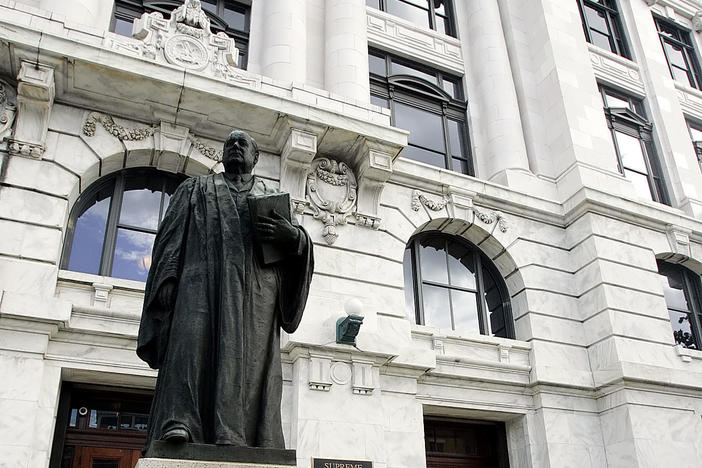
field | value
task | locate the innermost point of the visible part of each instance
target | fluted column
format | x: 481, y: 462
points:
x: 95, y: 13
x: 284, y: 37
x: 346, y: 49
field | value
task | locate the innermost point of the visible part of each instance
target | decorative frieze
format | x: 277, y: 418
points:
x: 489, y: 217
x: 319, y: 373
x: 464, y: 202
x: 363, y: 377
x: 616, y: 70
x: 331, y: 190
x: 206, y: 150
x: 418, y: 199
x: 121, y: 132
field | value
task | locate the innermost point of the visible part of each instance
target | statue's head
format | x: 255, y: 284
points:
x: 240, y: 153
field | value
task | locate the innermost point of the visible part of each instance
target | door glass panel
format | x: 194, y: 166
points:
x: 465, y: 311
x: 631, y: 152
x: 437, y: 309
x: 425, y: 127
x: 89, y: 235
x: 132, y: 254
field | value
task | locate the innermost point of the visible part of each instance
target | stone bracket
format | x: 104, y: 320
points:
x: 35, y: 98
x: 319, y: 373
x: 299, y: 150
x: 374, y: 170
x: 679, y: 240
x: 101, y: 297
x: 364, y: 377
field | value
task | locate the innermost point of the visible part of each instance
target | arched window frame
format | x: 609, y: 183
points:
x: 692, y: 290
x: 115, y: 182
x: 480, y: 262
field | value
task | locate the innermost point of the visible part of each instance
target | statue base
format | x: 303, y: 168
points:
x: 162, y: 454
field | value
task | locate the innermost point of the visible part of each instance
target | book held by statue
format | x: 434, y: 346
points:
x: 268, y: 205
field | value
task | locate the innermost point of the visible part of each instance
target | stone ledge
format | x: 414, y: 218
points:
x: 166, y: 463
x: 249, y: 456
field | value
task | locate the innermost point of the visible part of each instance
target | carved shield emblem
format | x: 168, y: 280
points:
x: 331, y: 189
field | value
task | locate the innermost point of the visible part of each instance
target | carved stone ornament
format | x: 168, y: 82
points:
x: 418, y: 199
x: 489, y: 217
x: 184, y: 40
x: 697, y: 21
x: 122, y: 133
x: 331, y: 189
x: 205, y: 150
x: 8, y: 108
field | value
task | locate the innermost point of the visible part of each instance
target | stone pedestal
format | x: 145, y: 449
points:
x: 166, y: 463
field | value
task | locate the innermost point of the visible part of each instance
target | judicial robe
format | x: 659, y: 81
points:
x: 218, y: 349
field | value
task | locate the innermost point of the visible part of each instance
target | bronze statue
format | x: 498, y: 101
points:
x: 213, y: 308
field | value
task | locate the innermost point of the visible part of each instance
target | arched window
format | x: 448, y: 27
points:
x: 113, y: 224
x: 683, y: 295
x: 449, y: 283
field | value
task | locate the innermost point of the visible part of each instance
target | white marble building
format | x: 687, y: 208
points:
x: 593, y: 250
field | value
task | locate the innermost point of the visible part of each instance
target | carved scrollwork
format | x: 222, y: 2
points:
x: 120, y: 132
x: 489, y: 217
x: 331, y: 189
x: 8, y: 108
x: 206, y: 150
x: 418, y: 199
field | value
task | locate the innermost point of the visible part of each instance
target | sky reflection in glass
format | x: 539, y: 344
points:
x: 132, y: 254
x: 88, y: 238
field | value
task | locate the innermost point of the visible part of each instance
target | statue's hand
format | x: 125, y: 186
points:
x: 278, y: 229
x: 167, y: 294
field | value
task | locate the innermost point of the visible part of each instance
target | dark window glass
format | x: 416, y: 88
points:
x: 602, y: 25
x: 428, y: 104
x: 226, y: 16
x: 113, y: 224
x: 450, y: 284
x: 696, y: 135
x: 632, y: 136
x: 679, y: 52
x: 432, y: 14
x: 682, y: 291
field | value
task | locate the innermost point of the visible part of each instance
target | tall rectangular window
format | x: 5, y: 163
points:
x: 603, y: 26
x: 679, y: 52
x: 632, y: 135
x: 432, y: 14
x: 695, y: 130
x: 226, y: 16
x: 429, y: 104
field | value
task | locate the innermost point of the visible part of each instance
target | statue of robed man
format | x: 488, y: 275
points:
x: 213, y: 310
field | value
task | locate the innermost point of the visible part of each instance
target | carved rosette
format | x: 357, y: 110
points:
x: 331, y: 189
x: 8, y: 108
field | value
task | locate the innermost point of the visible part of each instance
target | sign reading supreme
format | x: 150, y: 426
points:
x: 332, y: 463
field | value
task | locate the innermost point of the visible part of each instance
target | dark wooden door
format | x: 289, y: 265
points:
x: 104, y: 457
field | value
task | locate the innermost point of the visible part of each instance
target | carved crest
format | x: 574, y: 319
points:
x: 185, y: 40
x: 331, y: 189
x: 8, y: 108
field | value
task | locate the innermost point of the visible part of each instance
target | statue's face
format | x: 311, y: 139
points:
x: 239, y: 155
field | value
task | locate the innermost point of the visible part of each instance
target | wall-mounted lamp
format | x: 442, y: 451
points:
x: 347, y: 328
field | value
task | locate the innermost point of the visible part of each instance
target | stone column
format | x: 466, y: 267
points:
x: 284, y: 37
x: 499, y: 138
x: 95, y: 13
x: 346, y: 49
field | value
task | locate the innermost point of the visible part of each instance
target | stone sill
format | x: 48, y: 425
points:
x: 686, y: 354
x: 91, y: 279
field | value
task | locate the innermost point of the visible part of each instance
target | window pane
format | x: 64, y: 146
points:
x: 378, y: 101
x: 123, y: 27
x: 454, y: 129
x: 209, y: 5
x: 437, y: 309
x: 132, y: 254
x: 400, y: 69
x: 451, y: 88
x: 408, y: 274
x: 442, y: 25
x: 465, y: 311
x: 600, y: 40
x: 672, y: 283
x: 681, y: 75
x: 460, y: 165
x: 373, y: 3
x: 682, y: 332
x: 595, y: 19
x: 613, y: 101
x: 425, y: 128
x: 432, y: 262
x: 88, y: 237
x: 376, y: 65
x: 461, y: 270
x: 676, y: 55
x: 234, y: 16
x: 640, y: 182
x: 631, y: 152
x: 695, y: 134
x: 425, y: 156
x: 140, y: 208
x: 416, y: 15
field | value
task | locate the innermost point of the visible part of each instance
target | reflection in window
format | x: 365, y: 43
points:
x: 227, y: 16
x: 427, y: 103
x: 682, y: 291
x: 602, y: 25
x: 113, y: 224
x: 679, y: 52
x: 432, y: 14
x: 450, y: 284
x: 632, y: 136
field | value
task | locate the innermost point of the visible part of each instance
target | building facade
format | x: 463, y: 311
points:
x: 509, y: 193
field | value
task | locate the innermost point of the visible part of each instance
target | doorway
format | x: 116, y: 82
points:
x: 465, y: 444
